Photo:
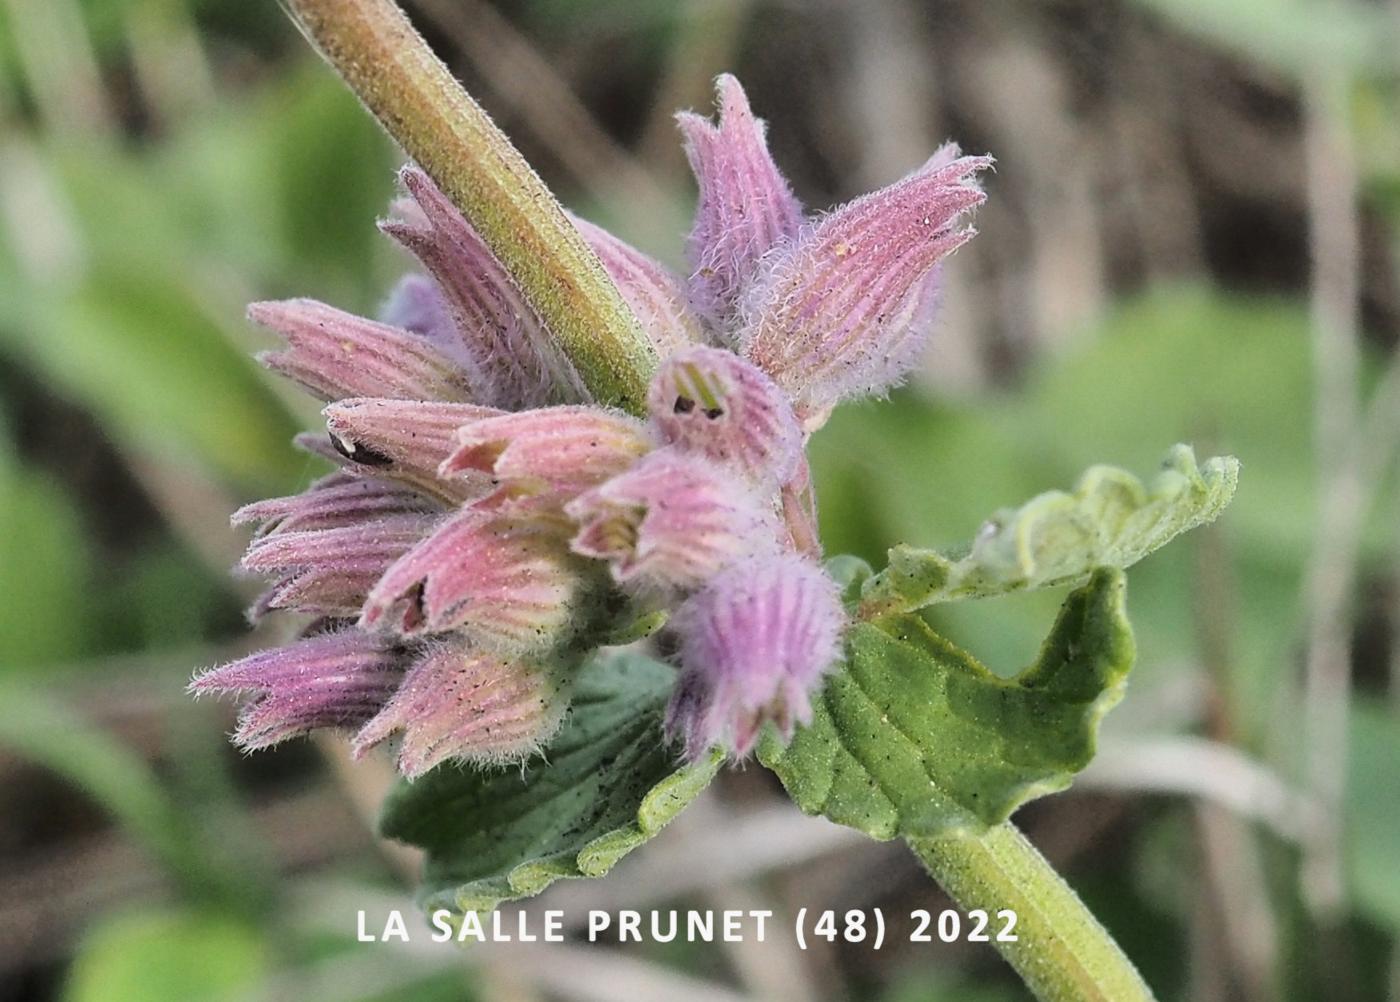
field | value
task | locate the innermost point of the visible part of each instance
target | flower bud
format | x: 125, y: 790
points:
x: 563, y: 449
x: 519, y: 364
x: 333, y: 680
x: 339, y: 499
x: 711, y: 401
x: 469, y: 706
x: 330, y: 571
x: 753, y: 646
x: 405, y: 439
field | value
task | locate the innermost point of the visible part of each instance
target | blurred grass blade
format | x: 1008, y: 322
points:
x: 38, y: 728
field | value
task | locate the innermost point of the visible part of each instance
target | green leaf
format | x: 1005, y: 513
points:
x: 914, y: 737
x: 609, y: 784
x: 1110, y: 520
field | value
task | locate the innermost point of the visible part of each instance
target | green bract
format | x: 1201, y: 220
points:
x: 607, y: 784
x: 916, y: 738
x: 1110, y: 520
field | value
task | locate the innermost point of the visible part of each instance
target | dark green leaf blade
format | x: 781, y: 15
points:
x: 609, y: 784
x: 914, y: 737
x: 1111, y: 519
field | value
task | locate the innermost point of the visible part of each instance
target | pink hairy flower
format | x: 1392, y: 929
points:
x: 712, y: 402
x: 456, y: 703
x: 671, y: 522
x: 487, y: 517
x: 331, y: 680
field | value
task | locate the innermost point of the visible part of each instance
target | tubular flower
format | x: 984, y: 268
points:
x: 486, y: 519
x: 746, y: 208
x: 713, y: 402
x: 511, y: 584
x: 456, y: 702
x: 755, y: 642
x: 671, y: 522
x: 846, y: 313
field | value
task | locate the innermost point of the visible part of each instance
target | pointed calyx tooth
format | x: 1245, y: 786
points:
x: 656, y: 295
x: 672, y: 522
x: 754, y: 645
x: 335, y: 354
x: 745, y: 207
x: 406, y: 439
x: 466, y: 705
x: 339, y: 499
x: 847, y: 311
x: 517, y: 361
x: 339, y: 679
x: 564, y: 449
x: 713, y: 402
x: 509, y: 584
x: 329, y: 571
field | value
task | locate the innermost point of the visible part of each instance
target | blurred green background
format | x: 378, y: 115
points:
x: 1192, y: 235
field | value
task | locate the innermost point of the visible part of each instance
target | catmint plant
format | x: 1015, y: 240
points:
x: 572, y: 528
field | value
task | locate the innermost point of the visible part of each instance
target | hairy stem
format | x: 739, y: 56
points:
x: 1061, y: 951
x: 390, y: 68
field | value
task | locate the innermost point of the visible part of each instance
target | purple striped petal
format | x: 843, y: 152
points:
x: 335, y: 354
x: 754, y: 645
x: 331, y: 571
x: 333, y: 680
x: 514, y: 355
x: 671, y: 522
x: 711, y: 401
x: 563, y: 449
x: 848, y: 311
x: 509, y: 584
x: 339, y: 499
x: 406, y: 439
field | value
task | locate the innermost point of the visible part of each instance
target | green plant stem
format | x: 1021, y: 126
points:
x: 1061, y: 952
x: 390, y: 68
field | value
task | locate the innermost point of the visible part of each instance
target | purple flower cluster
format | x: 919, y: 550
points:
x: 488, y: 523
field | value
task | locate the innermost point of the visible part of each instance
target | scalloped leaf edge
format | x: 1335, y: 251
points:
x: 1110, y: 519
x: 594, y: 859
x: 841, y: 781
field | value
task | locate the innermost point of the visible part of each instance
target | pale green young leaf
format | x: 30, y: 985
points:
x: 609, y: 783
x: 1110, y: 519
x: 914, y: 737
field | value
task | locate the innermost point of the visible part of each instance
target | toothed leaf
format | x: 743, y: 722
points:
x: 1111, y: 519
x: 914, y: 737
